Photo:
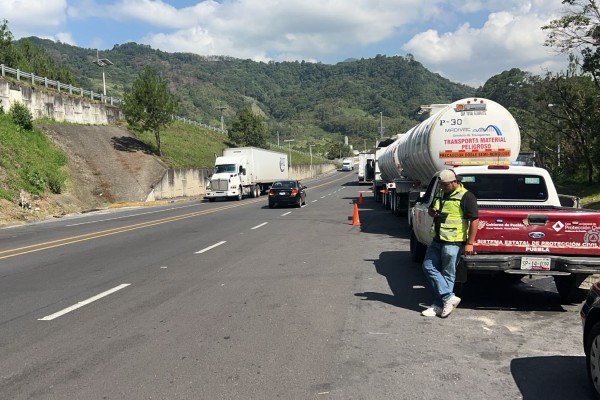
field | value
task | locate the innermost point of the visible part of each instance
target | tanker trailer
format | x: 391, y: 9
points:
x: 471, y: 131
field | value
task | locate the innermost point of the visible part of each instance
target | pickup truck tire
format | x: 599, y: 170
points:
x: 417, y: 250
x: 568, y: 288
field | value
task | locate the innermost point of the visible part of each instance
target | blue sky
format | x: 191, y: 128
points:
x: 467, y: 41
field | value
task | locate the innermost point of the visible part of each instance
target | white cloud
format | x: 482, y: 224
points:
x: 33, y: 17
x: 473, y: 54
x: 467, y: 41
x: 66, y: 37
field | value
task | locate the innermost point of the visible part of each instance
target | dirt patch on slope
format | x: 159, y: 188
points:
x: 106, y: 164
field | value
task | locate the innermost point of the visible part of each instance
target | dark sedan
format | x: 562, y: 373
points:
x: 590, y: 317
x: 287, y: 193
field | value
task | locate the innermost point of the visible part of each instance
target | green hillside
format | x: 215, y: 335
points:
x: 299, y: 100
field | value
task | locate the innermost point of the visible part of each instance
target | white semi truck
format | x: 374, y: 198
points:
x: 246, y: 172
x: 470, y: 131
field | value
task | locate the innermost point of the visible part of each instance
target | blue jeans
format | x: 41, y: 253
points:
x: 439, y: 266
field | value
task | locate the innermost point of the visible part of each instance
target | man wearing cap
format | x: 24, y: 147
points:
x: 455, y: 218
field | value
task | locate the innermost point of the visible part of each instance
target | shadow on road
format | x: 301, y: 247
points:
x: 484, y: 292
x: 405, y: 280
x: 551, y: 377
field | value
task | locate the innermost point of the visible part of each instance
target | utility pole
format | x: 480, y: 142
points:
x: 557, y: 134
x: 102, y: 62
x: 310, y: 146
x: 289, y: 141
x: 221, y: 108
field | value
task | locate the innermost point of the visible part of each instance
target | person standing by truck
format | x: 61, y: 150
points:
x: 455, y: 218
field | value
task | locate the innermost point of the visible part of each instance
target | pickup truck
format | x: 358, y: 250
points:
x: 523, y: 229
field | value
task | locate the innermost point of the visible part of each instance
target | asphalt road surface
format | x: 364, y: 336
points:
x: 233, y: 300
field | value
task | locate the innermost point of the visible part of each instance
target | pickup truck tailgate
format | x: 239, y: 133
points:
x: 546, y: 231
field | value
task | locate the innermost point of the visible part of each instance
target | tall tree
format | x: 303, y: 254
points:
x: 248, y: 129
x: 149, y: 105
x: 8, y: 52
x: 578, y: 33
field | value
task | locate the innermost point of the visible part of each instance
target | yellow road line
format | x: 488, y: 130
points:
x: 8, y: 253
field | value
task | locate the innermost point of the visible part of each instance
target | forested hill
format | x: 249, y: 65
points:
x: 297, y: 98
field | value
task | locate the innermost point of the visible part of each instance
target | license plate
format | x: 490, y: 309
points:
x: 536, y: 263
x: 282, y: 193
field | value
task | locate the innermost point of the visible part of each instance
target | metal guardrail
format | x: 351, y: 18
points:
x: 48, y: 83
x: 61, y: 87
x: 286, y: 149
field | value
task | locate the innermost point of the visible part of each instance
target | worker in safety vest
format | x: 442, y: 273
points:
x: 455, y: 219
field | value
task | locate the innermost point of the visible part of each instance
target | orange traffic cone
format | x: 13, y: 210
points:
x: 355, y: 220
x: 360, y: 201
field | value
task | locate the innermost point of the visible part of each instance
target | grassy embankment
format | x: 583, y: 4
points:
x: 185, y: 145
x: 30, y: 162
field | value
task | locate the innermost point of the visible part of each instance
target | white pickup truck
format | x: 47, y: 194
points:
x: 522, y: 230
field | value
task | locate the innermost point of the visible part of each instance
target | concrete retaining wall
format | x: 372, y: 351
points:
x: 58, y: 106
x: 191, y: 182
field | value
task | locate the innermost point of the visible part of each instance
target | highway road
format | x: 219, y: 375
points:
x: 233, y: 300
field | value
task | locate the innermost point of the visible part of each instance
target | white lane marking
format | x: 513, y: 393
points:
x: 131, y: 215
x: 211, y: 247
x: 314, y: 201
x: 283, y: 215
x: 258, y: 226
x: 322, y: 197
x: 83, y: 303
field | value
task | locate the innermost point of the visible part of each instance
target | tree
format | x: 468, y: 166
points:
x: 248, y: 129
x: 8, y: 52
x: 339, y: 150
x: 149, y: 105
x: 578, y: 32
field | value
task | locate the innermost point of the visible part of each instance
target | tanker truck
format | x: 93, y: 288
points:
x: 471, y: 131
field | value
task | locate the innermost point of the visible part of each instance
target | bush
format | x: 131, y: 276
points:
x: 33, y: 180
x: 56, y: 182
x: 21, y: 116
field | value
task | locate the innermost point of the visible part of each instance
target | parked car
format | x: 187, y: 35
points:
x: 290, y: 192
x: 590, y: 318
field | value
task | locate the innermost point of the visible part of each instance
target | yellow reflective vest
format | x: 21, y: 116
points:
x: 452, y: 226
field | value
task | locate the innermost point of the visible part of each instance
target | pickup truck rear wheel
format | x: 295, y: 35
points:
x: 417, y: 250
x: 568, y: 288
